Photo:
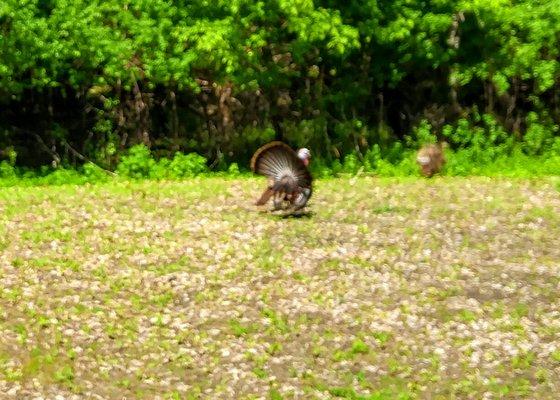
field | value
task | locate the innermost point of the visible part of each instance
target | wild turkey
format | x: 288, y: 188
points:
x: 431, y: 159
x: 289, y: 179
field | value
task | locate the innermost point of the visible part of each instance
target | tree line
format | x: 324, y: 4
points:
x: 85, y: 80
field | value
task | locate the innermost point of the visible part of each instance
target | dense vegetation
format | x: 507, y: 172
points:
x: 359, y: 82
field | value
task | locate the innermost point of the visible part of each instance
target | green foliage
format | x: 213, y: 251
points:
x: 274, y: 394
x: 139, y: 163
x: 63, y: 176
x: 539, y: 137
x: 350, y: 394
x: 94, y: 173
x: 351, y: 164
x: 483, y: 159
x: 361, y: 83
x: 359, y: 347
x: 233, y: 170
x: 186, y: 165
x: 7, y: 171
x: 64, y: 374
x: 422, y: 134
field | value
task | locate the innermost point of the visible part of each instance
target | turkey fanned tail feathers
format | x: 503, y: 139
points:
x: 289, y: 178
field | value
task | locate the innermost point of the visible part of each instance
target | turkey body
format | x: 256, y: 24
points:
x: 289, y: 180
x: 430, y: 159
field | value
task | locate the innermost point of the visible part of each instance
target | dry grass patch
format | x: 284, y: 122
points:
x: 388, y: 289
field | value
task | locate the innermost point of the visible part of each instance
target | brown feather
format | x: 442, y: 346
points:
x: 266, y: 147
x: 430, y: 158
x: 267, y: 194
x: 287, y: 173
x: 275, y: 157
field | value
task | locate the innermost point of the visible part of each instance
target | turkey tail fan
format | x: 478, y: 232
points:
x: 280, y: 163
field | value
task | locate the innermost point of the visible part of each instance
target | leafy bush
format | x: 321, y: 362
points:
x: 62, y: 176
x: 421, y: 135
x: 481, y: 148
x: 139, y: 163
x: 187, y: 165
x: 539, y: 138
x: 351, y: 164
x: 233, y: 170
x: 7, y: 170
x: 344, y: 75
x: 320, y: 169
x: 93, y: 173
x: 476, y: 148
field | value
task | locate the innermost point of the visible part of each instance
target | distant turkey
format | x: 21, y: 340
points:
x: 289, y: 180
x: 430, y: 158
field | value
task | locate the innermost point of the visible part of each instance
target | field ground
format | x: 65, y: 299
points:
x: 389, y: 289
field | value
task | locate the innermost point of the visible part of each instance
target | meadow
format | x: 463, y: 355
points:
x: 388, y: 288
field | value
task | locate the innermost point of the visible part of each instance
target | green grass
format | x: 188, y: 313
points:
x: 390, y: 288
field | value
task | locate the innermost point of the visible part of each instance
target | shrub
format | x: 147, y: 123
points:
x: 137, y: 163
x: 7, y: 170
x: 62, y: 176
x: 233, y: 170
x: 187, y: 165
x: 351, y: 164
x: 538, y: 137
x: 93, y: 173
x: 421, y: 135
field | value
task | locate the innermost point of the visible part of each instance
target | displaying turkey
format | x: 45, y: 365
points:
x: 289, y: 179
x: 430, y: 158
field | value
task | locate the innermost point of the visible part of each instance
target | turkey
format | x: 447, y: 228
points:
x: 430, y: 159
x: 289, y: 178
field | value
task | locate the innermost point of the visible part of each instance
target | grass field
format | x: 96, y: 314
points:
x: 388, y: 289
